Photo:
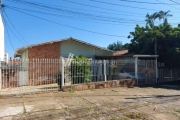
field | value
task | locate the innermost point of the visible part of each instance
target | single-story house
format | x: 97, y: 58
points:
x: 61, y: 48
x: 40, y: 63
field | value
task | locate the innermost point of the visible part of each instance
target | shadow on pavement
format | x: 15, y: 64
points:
x: 174, y: 85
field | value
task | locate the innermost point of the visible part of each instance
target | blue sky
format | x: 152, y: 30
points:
x: 106, y: 17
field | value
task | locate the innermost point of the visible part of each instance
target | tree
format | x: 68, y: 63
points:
x: 161, y: 15
x: 150, y: 21
x: 117, y: 46
x: 168, y: 41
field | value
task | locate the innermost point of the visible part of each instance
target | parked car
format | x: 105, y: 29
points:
x: 129, y: 75
x: 124, y: 75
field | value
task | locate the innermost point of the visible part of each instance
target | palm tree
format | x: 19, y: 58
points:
x: 161, y: 15
x: 149, y: 20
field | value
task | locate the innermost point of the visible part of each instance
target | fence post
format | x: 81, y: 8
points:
x: 0, y: 76
x: 156, y: 69
x: 136, y: 69
x: 62, y: 72
x: 105, y: 77
x: 171, y: 74
x: 33, y: 75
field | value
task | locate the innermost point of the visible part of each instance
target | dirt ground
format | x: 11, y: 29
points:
x: 143, y: 103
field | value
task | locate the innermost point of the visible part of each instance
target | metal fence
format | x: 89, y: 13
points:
x: 39, y: 75
x: 168, y: 74
x: 97, y: 70
x: 29, y: 76
x: 43, y: 75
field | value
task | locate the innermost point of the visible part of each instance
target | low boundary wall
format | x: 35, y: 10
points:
x: 100, y: 85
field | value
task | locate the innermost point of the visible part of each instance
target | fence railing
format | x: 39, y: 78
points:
x: 168, y: 74
x: 30, y: 75
x: 96, y: 70
x: 39, y: 75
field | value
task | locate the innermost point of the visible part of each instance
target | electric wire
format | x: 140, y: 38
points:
x: 67, y: 25
x: 16, y: 29
x: 129, y: 21
x: 146, y: 2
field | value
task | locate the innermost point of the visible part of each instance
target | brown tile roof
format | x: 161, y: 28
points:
x: 121, y: 52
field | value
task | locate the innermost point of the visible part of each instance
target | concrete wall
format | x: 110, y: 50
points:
x: 76, y: 48
x: 24, y: 55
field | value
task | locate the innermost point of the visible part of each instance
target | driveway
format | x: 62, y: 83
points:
x: 146, y: 103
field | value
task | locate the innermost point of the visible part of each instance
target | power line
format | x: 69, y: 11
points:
x: 12, y: 31
x: 67, y: 25
x: 174, y: 2
x: 79, y: 13
x: 15, y: 28
x: 147, y: 2
x: 8, y: 34
x: 120, y: 5
x: 112, y: 13
x: 92, y: 17
x: 44, y: 6
x: 168, y: 5
x: 109, y: 4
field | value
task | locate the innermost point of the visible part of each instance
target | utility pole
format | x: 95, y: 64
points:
x: 155, y: 46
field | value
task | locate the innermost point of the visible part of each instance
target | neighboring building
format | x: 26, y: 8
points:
x: 121, y: 52
x: 6, y: 57
x: 57, y: 48
x: 122, y: 55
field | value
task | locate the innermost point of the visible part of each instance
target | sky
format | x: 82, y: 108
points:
x: 99, y: 22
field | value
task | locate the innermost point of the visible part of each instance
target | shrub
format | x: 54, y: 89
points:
x: 80, y: 70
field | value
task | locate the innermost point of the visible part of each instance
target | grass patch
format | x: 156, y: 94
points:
x: 31, y: 100
x: 72, y: 90
x: 114, y: 118
x: 177, y: 110
x: 1, y: 96
x: 114, y: 90
x: 50, y: 115
x: 174, y: 113
x: 122, y: 110
x: 123, y: 118
x: 136, y: 116
x: 88, y: 108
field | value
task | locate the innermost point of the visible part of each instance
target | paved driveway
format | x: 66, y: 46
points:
x: 146, y: 103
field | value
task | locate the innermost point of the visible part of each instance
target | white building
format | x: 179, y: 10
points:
x: 6, y: 57
x: 1, y: 39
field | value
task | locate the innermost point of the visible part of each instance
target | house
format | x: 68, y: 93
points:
x: 57, y: 48
x: 40, y: 63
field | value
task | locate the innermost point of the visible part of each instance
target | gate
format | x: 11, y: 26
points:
x: 146, y: 71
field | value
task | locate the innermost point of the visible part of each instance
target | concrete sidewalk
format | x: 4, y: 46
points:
x: 101, y: 104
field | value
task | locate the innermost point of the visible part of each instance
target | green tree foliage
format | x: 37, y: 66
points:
x: 80, y: 70
x: 168, y: 39
x: 168, y: 43
x: 116, y: 46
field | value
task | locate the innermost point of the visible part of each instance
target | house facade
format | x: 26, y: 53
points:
x: 41, y: 62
